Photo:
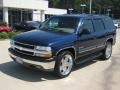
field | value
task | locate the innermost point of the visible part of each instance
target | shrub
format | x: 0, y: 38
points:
x: 11, y: 34
x: 3, y: 23
x: 4, y: 35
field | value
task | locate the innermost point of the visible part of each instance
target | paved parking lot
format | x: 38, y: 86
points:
x: 96, y: 75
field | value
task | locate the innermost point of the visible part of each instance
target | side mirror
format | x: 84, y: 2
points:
x: 115, y: 27
x: 85, y: 31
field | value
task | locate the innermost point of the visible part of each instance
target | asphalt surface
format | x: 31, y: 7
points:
x: 94, y: 75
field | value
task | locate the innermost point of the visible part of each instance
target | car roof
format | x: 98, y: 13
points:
x: 30, y: 21
x: 83, y: 15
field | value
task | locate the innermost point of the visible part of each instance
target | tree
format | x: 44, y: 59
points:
x: 99, y: 6
x: 54, y: 3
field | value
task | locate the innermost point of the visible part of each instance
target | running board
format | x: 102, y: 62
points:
x: 87, y: 58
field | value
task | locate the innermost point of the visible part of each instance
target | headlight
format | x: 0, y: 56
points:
x: 43, y: 51
x: 42, y: 48
x: 11, y: 42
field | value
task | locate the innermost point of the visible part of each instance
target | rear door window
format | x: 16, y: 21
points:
x: 98, y: 25
x: 87, y: 24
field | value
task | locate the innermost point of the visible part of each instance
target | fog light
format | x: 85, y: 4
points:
x: 43, y: 55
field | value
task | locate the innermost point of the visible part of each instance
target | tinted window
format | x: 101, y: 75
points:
x: 108, y: 23
x: 98, y: 25
x: 87, y: 24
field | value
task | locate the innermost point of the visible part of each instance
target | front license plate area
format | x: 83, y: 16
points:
x: 19, y: 60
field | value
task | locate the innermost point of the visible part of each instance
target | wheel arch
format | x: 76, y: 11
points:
x: 70, y: 49
x: 110, y: 40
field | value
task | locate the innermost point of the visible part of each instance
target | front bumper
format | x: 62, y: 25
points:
x: 43, y: 64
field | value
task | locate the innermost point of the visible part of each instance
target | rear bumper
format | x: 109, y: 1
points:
x: 40, y: 64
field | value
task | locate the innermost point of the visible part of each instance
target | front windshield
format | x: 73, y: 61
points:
x: 61, y: 24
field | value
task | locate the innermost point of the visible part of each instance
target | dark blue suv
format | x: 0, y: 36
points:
x: 64, y: 41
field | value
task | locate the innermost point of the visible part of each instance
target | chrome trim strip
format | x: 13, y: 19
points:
x: 24, y: 43
x: 94, y: 47
x: 100, y: 46
x: 90, y: 48
x: 86, y: 49
x: 21, y: 48
x: 24, y: 53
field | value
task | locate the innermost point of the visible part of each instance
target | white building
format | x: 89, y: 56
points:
x: 13, y: 11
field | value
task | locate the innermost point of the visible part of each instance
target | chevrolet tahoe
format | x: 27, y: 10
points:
x: 64, y: 41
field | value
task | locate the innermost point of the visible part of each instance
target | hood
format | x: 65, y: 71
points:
x: 42, y: 38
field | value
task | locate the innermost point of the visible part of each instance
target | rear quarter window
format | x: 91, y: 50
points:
x: 98, y: 25
x: 108, y: 23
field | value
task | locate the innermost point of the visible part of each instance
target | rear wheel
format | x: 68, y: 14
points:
x: 64, y: 64
x: 107, y: 52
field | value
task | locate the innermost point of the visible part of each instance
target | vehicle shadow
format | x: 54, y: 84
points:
x: 83, y: 65
x: 17, y: 71
x: 32, y: 75
x: 110, y: 72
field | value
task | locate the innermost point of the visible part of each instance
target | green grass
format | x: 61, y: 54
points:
x: 5, y: 35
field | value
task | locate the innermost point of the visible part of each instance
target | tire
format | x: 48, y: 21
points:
x: 64, y: 64
x: 107, y: 52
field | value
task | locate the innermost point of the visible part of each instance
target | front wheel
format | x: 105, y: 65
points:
x: 107, y: 52
x: 64, y: 64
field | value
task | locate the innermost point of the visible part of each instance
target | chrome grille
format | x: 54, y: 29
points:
x: 24, y: 45
x: 24, y: 52
x: 24, y: 48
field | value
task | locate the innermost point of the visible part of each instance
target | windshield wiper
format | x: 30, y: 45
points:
x: 45, y: 29
x: 53, y: 29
